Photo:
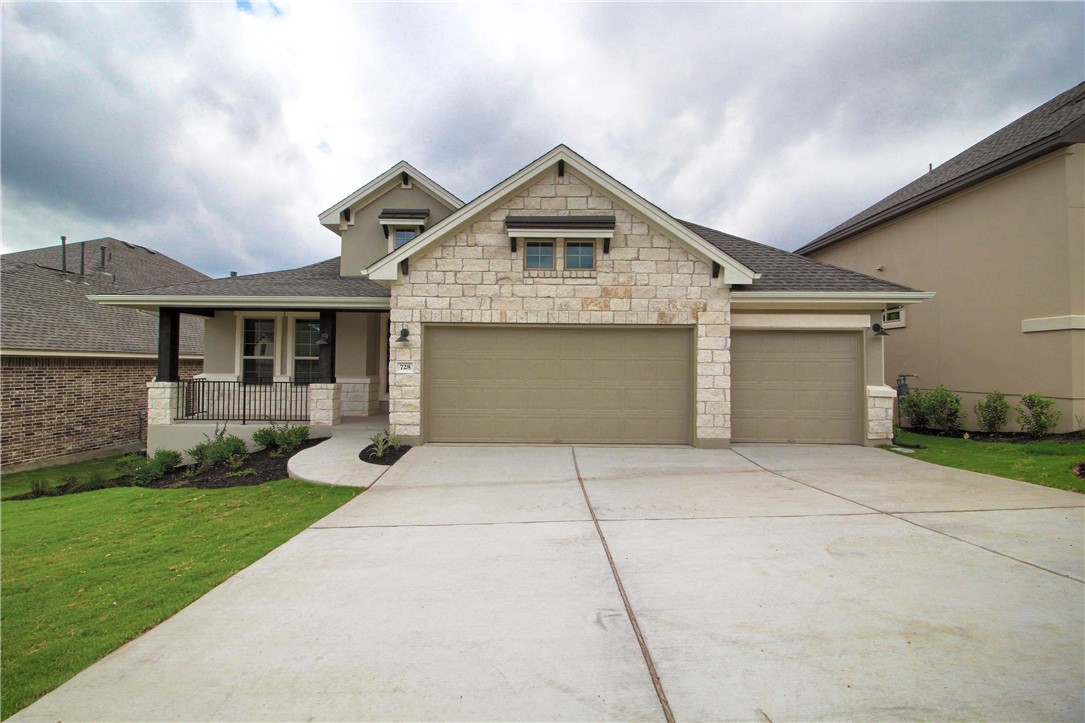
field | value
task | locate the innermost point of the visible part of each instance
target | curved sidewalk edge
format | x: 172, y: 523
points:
x: 335, y: 462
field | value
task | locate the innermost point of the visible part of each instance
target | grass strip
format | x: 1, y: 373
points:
x: 83, y: 574
x: 1043, y: 463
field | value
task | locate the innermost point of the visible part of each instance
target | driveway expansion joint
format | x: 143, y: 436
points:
x: 656, y: 682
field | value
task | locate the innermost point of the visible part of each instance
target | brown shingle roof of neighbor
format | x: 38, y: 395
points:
x: 784, y: 271
x: 316, y: 280
x: 44, y: 308
x: 1057, y: 123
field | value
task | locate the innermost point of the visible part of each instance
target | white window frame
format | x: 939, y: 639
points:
x: 276, y: 349
x: 894, y: 318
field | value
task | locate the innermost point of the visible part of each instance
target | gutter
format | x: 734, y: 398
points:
x: 828, y: 298
x: 156, y: 301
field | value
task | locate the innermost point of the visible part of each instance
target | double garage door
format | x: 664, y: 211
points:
x: 633, y: 385
x: 558, y: 384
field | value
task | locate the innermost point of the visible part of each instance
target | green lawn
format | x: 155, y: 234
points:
x: 82, y: 574
x: 1042, y: 463
x: 19, y: 483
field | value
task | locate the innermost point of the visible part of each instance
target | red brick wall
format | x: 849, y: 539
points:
x: 53, y: 406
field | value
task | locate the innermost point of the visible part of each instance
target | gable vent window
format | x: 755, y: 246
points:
x: 404, y: 235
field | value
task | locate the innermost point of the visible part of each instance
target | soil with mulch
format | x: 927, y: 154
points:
x: 1010, y: 437
x: 267, y: 465
x: 1079, y: 469
x: 391, y: 455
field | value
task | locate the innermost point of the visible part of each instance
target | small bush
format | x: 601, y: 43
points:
x: 39, y: 487
x: 1037, y: 414
x: 381, y: 443
x: 913, y: 407
x: 143, y: 471
x: 944, y: 409
x: 993, y: 412
x: 395, y: 441
x: 217, y: 450
x: 285, y: 438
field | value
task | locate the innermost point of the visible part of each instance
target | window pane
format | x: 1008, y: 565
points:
x: 306, y: 371
x: 580, y: 255
x: 259, y: 338
x: 403, y: 236
x: 306, y: 335
x: 257, y: 371
x: 540, y: 255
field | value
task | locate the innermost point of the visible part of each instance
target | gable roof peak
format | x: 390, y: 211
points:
x: 329, y: 218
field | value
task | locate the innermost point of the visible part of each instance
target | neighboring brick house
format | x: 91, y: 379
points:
x: 559, y: 306
x: 75, y: 373
x: 998, y: 232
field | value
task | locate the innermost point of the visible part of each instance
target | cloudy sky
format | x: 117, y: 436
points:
x: 216, y: 132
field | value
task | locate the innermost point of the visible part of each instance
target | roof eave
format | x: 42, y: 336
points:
x: 154, y: 301
x: 828, y: 298
x: 1067, y: 137
x: 329, y: 218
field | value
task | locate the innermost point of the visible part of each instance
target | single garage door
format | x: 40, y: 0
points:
x: 557, y: 384
x: 796, y: 386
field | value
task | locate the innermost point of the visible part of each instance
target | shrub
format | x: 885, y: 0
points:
x: 1037, y: 414
x: 993, y: 412
x: 944, y: 409
x: 934, y: 409
x: 381, y: 443
x: 218, y: 450
x: 913, y: 407
x: 143, y: 471
x: 39, y: 487
x: 286, y: 438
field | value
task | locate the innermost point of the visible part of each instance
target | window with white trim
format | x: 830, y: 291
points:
x: 306, y: 351
x: 258, y: 351
x: 894, y: 318
x: 404, y: 235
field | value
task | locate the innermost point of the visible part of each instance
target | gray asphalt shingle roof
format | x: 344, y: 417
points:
x: 784, y: 271
x: 316, y: 280
x: 46, y: 309
x: 1061, y: 120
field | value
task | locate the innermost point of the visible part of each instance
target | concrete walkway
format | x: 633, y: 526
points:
x: 589, y: 583
x: 335, y: 461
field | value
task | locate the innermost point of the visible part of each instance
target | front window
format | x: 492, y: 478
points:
x: 540, y: 255
x: 306, y: 351
x: 258, y: 351
x: 404, y: 235
x: 579, y: 255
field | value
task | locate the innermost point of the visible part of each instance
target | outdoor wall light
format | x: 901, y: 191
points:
x: 879, y: 330
x: 323, y: 340
x: 403, y: 334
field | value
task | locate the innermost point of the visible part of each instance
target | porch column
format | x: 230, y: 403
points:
x: 326, y: 362
x: 169, y: 345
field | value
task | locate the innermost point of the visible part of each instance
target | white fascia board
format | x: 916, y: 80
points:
x: 330, y: 216
x: 1053, y: 323
x: 828, y: 298
x: 402, y: 221
x: 559, y: 233
x: 387, y: 269
x: 138, y: 301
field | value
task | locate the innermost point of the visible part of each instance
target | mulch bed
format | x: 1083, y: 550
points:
x: 266, y: 464
x: 1010, y: 437
x: 391, y: 456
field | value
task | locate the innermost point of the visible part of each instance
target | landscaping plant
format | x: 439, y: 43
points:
x: 218, y: 450
x: 144, y: 470
x: 1037, y: 414
x: 993, y: 412
x: 381, y: 443
x: 913, y: 407
x: 284, y: 438
x: 936, y: 409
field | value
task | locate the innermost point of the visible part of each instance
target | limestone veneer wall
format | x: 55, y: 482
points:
x: 646, y: 279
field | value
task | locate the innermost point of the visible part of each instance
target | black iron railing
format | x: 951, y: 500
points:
x: 241, y: 402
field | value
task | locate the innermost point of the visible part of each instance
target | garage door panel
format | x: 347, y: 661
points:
x: 795, y: 387
x: 549, y: 384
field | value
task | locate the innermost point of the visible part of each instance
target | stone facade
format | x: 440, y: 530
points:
x: 325, y: 405
x: 646, y: 279
x: 879, y: 414
x: 60, y: 406
x: 359, y: 397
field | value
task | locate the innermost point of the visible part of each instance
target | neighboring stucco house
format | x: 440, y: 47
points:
x: 559, y: 306
x: 75, y: 373
x: 999, y: 233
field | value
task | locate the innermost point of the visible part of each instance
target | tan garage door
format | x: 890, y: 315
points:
x: 792, y: 386
x: 557, y: 384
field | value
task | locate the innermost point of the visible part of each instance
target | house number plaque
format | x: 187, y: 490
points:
x: 404, y: 367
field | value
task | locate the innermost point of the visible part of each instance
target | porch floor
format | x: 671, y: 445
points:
x: 335, y: 461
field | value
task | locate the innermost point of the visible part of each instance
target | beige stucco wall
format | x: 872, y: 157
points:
x: 1007, y: 250
x: 219, y: 345
x: 645, y: 279
x: 364, y: 241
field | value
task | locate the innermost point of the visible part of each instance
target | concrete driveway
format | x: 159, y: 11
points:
x: 557, y: 583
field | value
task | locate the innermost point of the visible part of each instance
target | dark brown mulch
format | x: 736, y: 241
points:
x: 391, y: 456
x: 1010, y: 437
x: 267, y: 465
